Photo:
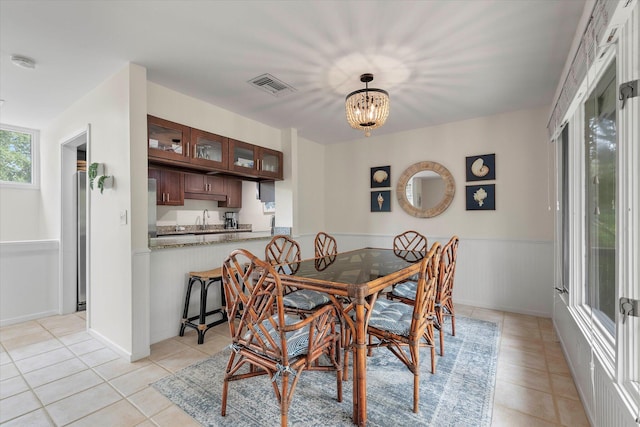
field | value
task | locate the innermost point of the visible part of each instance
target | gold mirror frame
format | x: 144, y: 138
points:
x: 449, y: 191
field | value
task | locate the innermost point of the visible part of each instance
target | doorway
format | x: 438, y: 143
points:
x: 74, y: 262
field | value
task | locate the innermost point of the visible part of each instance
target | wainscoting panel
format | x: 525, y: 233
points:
x: 28, y: 280
x: 602, y: 401
x: 509, y: 275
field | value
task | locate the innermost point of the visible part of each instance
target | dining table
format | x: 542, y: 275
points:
x: 353, y: 280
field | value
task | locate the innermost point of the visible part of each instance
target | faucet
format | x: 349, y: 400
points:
x: 273, y: 224
x: 205, y: 215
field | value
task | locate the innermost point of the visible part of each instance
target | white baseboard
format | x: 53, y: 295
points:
x: 26, y: 318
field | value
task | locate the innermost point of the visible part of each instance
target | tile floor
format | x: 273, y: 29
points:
x: 52, y: 372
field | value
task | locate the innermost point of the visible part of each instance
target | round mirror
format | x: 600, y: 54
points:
x: 425, y: 189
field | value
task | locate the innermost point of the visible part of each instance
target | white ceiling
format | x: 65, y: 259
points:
x: 440, y: 61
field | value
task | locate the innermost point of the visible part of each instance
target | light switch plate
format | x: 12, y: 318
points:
x: 123, y: 217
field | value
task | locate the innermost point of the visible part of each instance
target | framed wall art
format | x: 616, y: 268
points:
x: 481, y: 168
x: 381, y: 201
x: 381, y: 176
x: 481, y: 197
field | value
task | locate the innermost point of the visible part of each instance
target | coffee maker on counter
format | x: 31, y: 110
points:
x: 230, y: 221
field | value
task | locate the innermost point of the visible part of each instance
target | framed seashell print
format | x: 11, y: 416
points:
x: 381, y: 176
x: 481, y: 197
x: 381, y: 201
x: 481, y: 168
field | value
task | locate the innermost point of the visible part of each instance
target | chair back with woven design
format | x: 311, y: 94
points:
x: 424, y: 306
x: 259, y: 293
x: 325, y: 245
x: 268, y: 340
x: 409, y: 243
x: 447, y: 269
x: 282, y: 250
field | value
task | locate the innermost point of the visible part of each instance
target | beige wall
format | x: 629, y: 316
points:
x: 519, y: 141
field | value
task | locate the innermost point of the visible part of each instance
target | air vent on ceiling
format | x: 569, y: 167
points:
x: 272, y: 85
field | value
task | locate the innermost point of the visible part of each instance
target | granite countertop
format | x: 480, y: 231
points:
x: 183, y: 240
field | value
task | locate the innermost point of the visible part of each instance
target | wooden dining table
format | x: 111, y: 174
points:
x: 353, y: 280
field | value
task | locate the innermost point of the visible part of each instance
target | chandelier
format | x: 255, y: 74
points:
x: 367, y: 108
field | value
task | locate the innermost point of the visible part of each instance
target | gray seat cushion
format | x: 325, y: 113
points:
x: 297, y: 341
x: 405, y: 290
x: 392, y: 316
x: 305, y: 299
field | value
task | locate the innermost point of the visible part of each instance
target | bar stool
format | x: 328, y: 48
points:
x: 205, y: 279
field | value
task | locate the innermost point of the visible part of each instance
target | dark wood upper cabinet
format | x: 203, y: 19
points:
x: 204, y: 187
x: 168, y: 140
x: 208, y: 149
x: 254, y: 161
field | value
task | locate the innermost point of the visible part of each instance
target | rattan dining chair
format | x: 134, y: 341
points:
x: 325, y: 245
x: 267, y: 339
x: 402, y: 328
x: 406, y: 291
x: 410, y: 241
x: 284, y: 253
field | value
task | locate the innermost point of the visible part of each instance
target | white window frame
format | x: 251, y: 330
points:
x: 35, y: 159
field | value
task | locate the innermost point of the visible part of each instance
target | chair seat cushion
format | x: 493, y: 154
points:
x: 405, y: 290
x: 392, y: 316
x: 297, y: 341
x: 305, y: 299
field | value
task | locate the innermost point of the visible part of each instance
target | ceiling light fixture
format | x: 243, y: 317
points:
x: 367, y: 108
x: 23, y: 61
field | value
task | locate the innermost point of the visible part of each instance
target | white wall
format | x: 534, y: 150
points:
x: 116, y: 111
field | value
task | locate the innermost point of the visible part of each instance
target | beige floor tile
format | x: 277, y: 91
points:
x: 523, y: 320
x: 55, y: 372
x: 213, y: 346
x: 63, y: 324
x: 81, y: 404
x: 119, y: 367
x: 525, y: 400
x: 43, y: 360
x: 522, y: 358
x: 506, y: 417
x: 174, y: 416
x: 553, y: 349
x: 510, y: 329
x: 463, y: 310
x: 545, y: 323
x: 86, y: 346
x: 75, y: 338
x: 549, y: 336
x: 18, y: 405
x: 146, y: 423
x: 99, y: 357
x: 44, y: 344
x: 120, y: 414
x: 81, y: 314
x: 149, y: 401
x: 563, y: 386
x: 8, y: 370
x: 176, y: 361
x: 20, y: 330
x: 522, y: 343
x: 526, y: 377
x: 571, y: 413
x: 132, y: 382
x: 37, y: 418
x: 558, y: 365
x: 12, y: 386
x: 165, y: 348
x: 4, y: 357
x: 67, y: 386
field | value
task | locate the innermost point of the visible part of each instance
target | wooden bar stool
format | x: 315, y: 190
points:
x: 205, y: 279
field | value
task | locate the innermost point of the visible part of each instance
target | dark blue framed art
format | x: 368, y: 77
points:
x: 481, y: 168
x: 481, y: 197
x: 381, y: 201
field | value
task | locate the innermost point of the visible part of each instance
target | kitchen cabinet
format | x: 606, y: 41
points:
x: 169, y: 186
x: 168, y: 141
x: 208, y: 150
x: 254, y: 161
x: 204, y: 187
x: 233, y: 191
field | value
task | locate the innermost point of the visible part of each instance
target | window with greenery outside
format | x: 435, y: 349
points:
x: 16, y: 156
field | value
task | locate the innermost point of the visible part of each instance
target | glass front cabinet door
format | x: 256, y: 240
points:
x: 208, y: 149
x: 269, y: 163
x: 168, y: 140
x: 242, y: 157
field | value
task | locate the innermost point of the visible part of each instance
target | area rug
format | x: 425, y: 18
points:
x: 460, y: 393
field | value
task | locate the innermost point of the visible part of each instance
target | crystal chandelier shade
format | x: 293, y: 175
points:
x: 367, y: 108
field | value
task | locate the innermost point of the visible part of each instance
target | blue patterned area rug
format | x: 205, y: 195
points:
x: 459, y: 394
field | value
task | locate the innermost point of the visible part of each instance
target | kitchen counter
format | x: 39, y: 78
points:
x: 182, y: 240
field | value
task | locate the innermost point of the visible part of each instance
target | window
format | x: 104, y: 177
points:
x: 563, y: 193
x: 18, y: 157
x: 600, y: 139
